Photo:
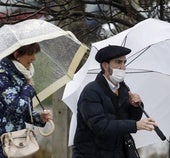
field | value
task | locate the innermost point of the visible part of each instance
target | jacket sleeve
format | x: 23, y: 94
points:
x: 36, y: 119
x: 135, y: 113
x: 17, y: 100
x: 101, y: 123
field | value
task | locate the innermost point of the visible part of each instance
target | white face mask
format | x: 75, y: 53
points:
x: 117, y: 76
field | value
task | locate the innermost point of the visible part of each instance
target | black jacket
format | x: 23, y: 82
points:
x: 102, y: 120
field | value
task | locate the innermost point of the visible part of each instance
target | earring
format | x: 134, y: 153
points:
x: 18, y: 59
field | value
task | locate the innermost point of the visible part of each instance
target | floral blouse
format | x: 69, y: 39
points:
x: 15, y: 97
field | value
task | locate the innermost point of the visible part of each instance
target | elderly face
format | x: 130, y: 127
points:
x: 117, y: 63
x: 25, y: 59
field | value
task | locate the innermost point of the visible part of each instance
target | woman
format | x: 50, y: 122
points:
x: 17, y: 91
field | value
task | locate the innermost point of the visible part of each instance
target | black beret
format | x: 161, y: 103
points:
x: 111, y: 52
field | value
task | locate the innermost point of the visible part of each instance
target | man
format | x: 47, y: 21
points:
x: 107, y: 110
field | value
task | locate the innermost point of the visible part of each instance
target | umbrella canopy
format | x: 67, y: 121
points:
x: 60, y: 54
x: 148, y: 74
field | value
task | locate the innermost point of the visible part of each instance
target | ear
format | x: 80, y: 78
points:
x: 15, y: 54
x: 105, y: 65
x: 107, y: 70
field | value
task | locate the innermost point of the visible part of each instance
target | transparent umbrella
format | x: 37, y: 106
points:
x: 60, y: 54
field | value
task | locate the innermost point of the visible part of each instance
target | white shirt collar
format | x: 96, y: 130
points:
x: 111, y: 85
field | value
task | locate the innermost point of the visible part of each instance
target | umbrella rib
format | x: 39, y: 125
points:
x: 142, y: 52
x: 124, y: 41
x: 145, y: 71
x: 129, y: 72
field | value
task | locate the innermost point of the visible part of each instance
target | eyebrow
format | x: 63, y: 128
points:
x: 120, y: 60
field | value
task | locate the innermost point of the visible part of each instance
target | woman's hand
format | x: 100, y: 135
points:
x: 46, y: 115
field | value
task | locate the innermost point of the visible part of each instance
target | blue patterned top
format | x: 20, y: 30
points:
x: 15, y: 97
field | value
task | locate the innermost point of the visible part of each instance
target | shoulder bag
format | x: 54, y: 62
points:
x: 130, y: 147
x: 21, y: 143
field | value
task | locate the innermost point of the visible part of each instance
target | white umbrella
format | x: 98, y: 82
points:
x: 148, y: 73
x: 60, y: 54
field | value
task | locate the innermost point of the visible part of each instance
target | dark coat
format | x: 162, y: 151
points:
x: 103, y: 119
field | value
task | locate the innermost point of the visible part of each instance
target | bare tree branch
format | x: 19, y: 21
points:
x: 76, y: 16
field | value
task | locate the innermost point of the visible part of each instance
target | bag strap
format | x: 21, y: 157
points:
x: 30, y: 112
x: 129, y: 142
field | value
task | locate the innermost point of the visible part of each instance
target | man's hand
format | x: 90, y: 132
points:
x: 135, y: 99
x: 146, y: 124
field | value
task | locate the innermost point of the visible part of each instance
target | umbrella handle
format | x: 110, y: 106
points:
x: 50, y: 121
x: 156, y: 128
x: 50, y: 132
